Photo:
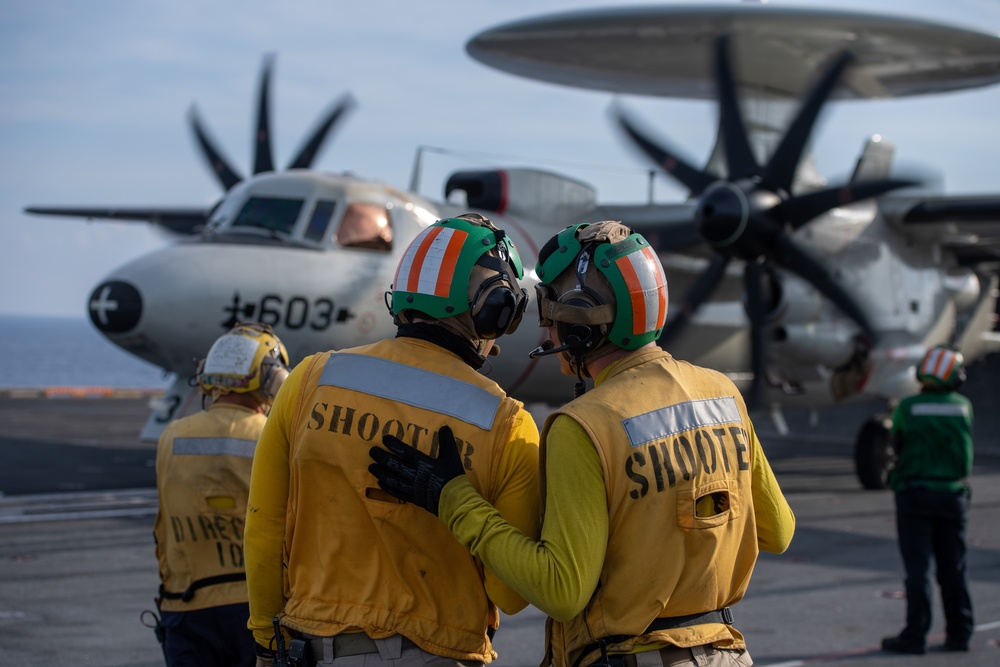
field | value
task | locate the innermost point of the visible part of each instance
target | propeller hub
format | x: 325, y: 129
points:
x: 722, y: 215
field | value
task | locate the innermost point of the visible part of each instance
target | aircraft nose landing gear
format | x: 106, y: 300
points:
x: 874, y: 452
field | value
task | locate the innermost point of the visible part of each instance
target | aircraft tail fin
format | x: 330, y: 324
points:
x: 875, y: 161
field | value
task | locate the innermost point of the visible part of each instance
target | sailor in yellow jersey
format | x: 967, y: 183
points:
x: 354, y: 575
x: 203, y: 477
x: 657, y: 496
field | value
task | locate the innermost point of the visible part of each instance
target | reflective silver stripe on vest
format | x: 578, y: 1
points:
x: 939, y: 409
x: 215, y: 446
x: 412, y: 386
x: 674, y: 419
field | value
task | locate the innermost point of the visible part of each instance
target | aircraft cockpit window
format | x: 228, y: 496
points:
x: 365, y: 226
x: 273, y: 214
x: 320, y: 221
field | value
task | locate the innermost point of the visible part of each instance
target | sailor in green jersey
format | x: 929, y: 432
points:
x: 933, y: 435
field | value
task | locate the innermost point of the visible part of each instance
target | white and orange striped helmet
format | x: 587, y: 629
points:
x: 943, y: 367
x: 626, y: 305
x: 458, y: 265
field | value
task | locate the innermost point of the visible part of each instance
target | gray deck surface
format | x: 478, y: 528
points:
x: 77, y: 564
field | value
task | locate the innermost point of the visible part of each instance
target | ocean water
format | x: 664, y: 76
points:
x: 69, y: 352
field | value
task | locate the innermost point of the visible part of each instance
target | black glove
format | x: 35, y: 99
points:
x: 408, y: 474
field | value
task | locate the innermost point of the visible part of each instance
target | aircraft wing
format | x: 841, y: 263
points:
x: 668, y: 227
x: 176, y: 220
x: 970, y: 224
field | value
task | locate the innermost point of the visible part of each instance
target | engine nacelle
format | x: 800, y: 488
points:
x: 829, y: 344
x: 964, y: 287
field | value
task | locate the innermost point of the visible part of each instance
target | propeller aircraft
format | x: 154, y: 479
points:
x: 806, y: 293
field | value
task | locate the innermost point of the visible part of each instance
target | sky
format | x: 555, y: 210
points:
x: 95, y: 98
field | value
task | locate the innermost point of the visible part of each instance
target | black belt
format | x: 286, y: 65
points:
x: 724, y: 615
x: 202, y: 583
x: 341, y: 646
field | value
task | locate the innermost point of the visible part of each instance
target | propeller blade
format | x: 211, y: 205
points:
x: 223, y: 171
x: 691, y: 177
x: 788, y: 255
x: 262, y: 154
x: 700, y: 290
x: 797, y: 211
x: 785, y: 160
x: 753, y: 286
x: 307, y: 154
x: 740, y: 160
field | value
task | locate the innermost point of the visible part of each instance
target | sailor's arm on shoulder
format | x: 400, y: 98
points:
x: 264, y: 533
x: 517, y: 499
x: 774, y: 518
x: 559, y: 572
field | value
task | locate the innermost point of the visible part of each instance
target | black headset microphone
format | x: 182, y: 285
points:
x: 545, y: 349
x: 575, y: 339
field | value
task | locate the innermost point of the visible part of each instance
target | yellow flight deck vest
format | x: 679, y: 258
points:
x: 674, y: 443
x: 359, y: 559
x: 203, y: 476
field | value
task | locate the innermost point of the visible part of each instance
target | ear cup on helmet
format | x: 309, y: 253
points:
x: 273, y: 374
x: 576, y: 337
x: 493, y: 315
x: 497, y: 307
x: 580, y: 338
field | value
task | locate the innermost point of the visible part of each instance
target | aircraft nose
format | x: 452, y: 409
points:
x: 115, y: 306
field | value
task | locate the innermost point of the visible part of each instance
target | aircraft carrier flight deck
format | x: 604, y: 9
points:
x: 77, y: 566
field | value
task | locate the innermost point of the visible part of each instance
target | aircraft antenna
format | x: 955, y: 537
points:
x: 415, y: 174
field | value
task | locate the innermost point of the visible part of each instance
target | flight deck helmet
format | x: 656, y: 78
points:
x: 248, y: 358
x: 943, y: 367
x: 603, y: 287
x: 462, y: 271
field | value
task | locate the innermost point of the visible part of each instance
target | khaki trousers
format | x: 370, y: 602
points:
x: 695, y: 656
x: 392, y: 654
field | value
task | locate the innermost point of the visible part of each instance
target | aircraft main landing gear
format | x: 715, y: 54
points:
x: 874, y: 452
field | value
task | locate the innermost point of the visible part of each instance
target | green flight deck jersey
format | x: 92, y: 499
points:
x: 933, y: 431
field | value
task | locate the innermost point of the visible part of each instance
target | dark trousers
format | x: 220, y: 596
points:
x: 209, y: 637
x: 932, y: 524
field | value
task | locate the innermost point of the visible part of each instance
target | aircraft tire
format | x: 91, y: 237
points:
x: 874, y: 454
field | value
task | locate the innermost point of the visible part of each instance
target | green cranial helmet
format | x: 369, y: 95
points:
x: 435, y: 275
x: 605, y: 277
x: 943, y: 367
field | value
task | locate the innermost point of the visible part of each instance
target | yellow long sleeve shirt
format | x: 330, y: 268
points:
x: 280, y: 509
x: 560, y: 572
